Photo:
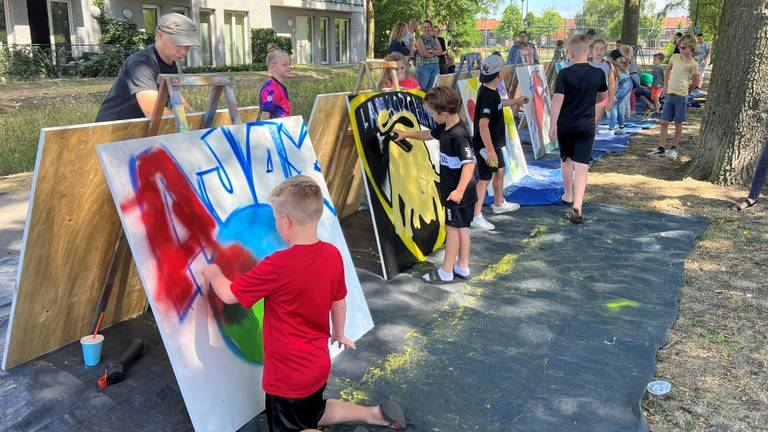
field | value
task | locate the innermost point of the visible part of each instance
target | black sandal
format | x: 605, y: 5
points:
x: 574, y: 216
x: 433, y: 277
x: 394, y: 414
x: 748, y: 203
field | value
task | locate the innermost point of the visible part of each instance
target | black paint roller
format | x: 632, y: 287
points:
x: 117, y: 369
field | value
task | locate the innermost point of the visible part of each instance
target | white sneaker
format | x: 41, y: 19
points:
x: 620, y: 131
x: 609, y: 132
x: 479, y: 223
x: 672, y: 154
x: 656, y: 154
x: 505, y: 207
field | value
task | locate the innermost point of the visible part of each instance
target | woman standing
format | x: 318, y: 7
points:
x: 397, y: 40
x: 427, y: 50
x: 441, y: 59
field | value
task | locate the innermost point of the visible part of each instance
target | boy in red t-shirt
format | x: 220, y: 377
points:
x: 300, y: 286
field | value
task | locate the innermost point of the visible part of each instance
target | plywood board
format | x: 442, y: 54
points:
x: 401, y: 177
x: 189, y: 199
x: 335, y: 147
x: 532, y: 82
x: 69, y: 237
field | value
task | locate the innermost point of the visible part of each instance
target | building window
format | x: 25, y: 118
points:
x: 234, y: 38
x: 3, y: 25
x: 342, y: 40
x: 324, y: 48
x: 304, y: 40
x: 59, y: 16
x: 150, y: 18
x: 206, y: 34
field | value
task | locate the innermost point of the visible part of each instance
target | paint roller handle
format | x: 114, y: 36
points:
x: 402, y: 142
x: 116, y: 370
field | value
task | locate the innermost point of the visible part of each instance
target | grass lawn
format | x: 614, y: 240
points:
x: 27, y: 107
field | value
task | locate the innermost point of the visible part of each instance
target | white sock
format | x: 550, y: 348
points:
x: 463, y: 271
x: 444, y: 276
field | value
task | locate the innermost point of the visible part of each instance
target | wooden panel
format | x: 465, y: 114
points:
x: 69, y: 237
x: 340, y: 164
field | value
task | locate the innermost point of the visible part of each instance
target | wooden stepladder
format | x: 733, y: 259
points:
x: 170, y: 92
x: 467, y: 62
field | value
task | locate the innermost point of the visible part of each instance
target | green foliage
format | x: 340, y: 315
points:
x: 511, y: 23
x: 25, y: 63
x: 250, y: 67
x: 386, y: 14
x: 604, y: 16
x: 708, y: 17
x: 119, y: 39
x: 459, y: 15
x: 549, y: 22
x: 262, y: 37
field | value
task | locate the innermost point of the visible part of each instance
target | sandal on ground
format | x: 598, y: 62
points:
x: 433, y: 277
x: 744, y: 205
x: 460, y: 276
x: 564, y: 202
x: 393, y: 413
x: 574, y: 216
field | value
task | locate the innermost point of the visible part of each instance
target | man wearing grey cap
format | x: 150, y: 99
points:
x: 135, y: 90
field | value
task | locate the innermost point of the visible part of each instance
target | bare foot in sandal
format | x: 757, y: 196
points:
x: 748, y: 203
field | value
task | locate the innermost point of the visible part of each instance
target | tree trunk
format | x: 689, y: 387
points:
x: 630, y: 24
x: 371, y: 29
x: 735, y: 124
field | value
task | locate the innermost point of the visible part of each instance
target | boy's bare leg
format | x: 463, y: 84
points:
x: 498, y: 186
x: 657, y: 105
x: 464, y: 243
x: 567, y: 168
x: 663, y: 133
x: 678, y: 134
x: 338, y: 412
x: 580, y: 188
x: 452, y: 248
x: 482, y: 188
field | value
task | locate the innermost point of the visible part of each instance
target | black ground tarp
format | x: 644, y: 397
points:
x: 557, y: 331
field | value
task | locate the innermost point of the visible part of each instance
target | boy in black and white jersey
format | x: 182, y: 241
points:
x: 457, y: 183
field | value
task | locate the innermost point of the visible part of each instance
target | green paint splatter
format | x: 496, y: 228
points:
x: 621, y: 304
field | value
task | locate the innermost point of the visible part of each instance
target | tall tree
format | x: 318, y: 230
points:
x: 630, y: 24
x: 734, y: 127
x: 549, y: 21
x: 371, y: 29
x: 511, y: 23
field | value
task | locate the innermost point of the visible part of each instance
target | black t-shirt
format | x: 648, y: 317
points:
x: 580, y: 84
x: 488, y: 105
x: 140, y: 72
x: 455, y: 152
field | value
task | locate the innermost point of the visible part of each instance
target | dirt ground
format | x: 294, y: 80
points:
x: 717, y: 355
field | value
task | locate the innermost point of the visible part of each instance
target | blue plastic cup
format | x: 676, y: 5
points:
x: 92, y: 349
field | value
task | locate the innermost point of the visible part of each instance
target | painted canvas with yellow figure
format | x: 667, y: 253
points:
x: 401, y: 177
x: 513, y: 155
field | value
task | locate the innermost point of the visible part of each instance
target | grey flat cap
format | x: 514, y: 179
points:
x: 181, y: 30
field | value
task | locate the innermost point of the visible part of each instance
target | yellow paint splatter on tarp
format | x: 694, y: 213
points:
x: 505, y: 266
x: 621, y: 304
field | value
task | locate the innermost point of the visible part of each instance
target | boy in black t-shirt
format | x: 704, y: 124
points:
x: 490, y: 139
x: 457, y: 183
x: 577, y: 89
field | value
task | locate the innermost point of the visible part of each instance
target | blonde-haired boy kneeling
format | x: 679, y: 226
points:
x: 300, y: 286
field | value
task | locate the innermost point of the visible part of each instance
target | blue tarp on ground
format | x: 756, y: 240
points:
x: 544, y: 183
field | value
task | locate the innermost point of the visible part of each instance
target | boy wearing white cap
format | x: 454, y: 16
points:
x: 489, y: 140
x: 135, y: 90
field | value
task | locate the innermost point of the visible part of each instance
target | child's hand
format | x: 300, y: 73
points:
x: 522, y: 100
x: 343, y: 341
x: 492, y: 159
x: 209, y: 271
x: 456, y: 196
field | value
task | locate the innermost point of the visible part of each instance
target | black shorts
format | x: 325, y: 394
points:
x: 576, y: 145
x: 459, y: 215
x: 485, y: 172
x: 295, y: 414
